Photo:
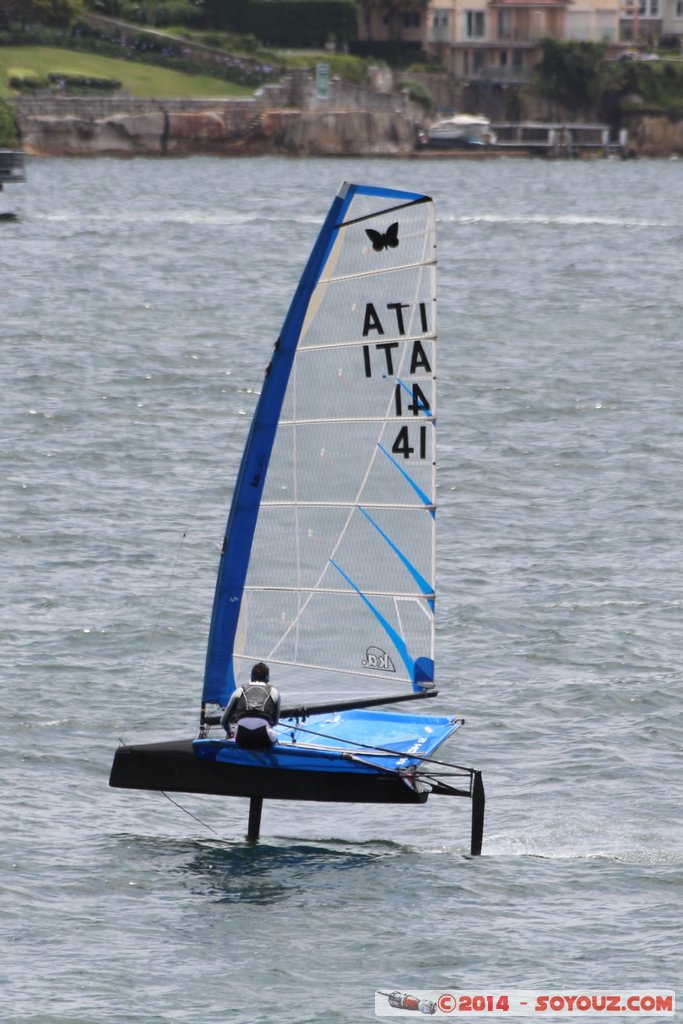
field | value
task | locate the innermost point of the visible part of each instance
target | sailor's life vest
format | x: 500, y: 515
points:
x: 257, y: 700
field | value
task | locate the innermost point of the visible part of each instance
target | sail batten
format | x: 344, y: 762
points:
x: 339, y: 278
x: 326, y: 567
x: 349, y: 419
x: 378, y: 675
x: 338, y: 504
x: 408, y: 595
x: 355, y: 342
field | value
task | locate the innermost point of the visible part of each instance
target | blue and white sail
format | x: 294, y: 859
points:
x: 328, y: 565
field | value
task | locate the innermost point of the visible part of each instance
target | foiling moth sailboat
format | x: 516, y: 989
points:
x: 328, y: 565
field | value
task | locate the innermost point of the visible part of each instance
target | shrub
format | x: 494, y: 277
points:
x: 571, y: 73
x: 418, y: 93
x: 396, y: 55
x: 81, y: 84
x: 300, y: 23
x: 26, y: 81
x: 61, y: 82
x: 425, y: 69
x: 351, y: 69
x: 9, y: 136
x: 658, y: 84
x: 172, y: 12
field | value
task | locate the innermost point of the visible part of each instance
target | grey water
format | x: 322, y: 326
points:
x: 139, y: 304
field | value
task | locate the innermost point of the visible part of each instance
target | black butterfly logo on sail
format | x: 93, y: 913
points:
x: 388, y: 240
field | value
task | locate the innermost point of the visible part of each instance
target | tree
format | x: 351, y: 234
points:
x: 230, y: 14
x: 572, y: 73
x: 395, y: 14
x: 8, y: 127
x: 60, y: 13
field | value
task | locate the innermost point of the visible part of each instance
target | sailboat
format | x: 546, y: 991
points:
x: 327, y: 568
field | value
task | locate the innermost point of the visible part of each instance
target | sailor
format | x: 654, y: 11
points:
x: 253, y: 711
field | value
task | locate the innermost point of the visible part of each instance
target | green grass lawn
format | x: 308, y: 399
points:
x: 136, y: 79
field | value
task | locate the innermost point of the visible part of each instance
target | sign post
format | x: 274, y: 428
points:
x: 322, y: 81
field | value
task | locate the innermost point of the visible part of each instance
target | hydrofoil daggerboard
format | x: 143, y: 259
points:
x: 328, y: 565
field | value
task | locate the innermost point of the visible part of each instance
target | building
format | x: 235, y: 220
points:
x: 500, y: 40
x: 393, y: 22
x: 646, y: 21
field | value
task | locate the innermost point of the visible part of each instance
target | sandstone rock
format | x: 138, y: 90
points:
x: 119, y: 135
x: 655, y: 135
x: 238, y: 128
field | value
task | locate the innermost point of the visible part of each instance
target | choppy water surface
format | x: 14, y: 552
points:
x: 139, y: 304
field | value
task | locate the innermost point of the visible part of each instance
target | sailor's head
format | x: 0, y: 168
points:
x: 260, y: 673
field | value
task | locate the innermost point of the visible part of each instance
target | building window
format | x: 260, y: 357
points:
x: 679, y: 9
x: 650, y: 9
x: 411, y: 19
x: 504, y: 25
x: 440, y: 26
x: 475, y: 25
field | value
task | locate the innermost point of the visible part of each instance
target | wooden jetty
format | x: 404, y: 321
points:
x: 12, y: 166
x: 559, y: 140
x: 536, y: 138
x: 12, y: 169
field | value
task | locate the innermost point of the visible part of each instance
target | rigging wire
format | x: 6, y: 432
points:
x: 180, y: 806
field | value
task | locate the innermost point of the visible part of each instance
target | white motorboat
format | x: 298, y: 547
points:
x: 461, y: 130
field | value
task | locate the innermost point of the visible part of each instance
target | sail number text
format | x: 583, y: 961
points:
x: 379, y: 359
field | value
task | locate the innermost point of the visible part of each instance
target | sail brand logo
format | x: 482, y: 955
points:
x: 388, y: 240
x: 378, y: 659
x: 256, y: 479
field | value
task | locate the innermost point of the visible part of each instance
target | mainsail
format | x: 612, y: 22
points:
x: 327, y: 568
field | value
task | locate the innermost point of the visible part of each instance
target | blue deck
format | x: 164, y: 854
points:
x: 364, y: 742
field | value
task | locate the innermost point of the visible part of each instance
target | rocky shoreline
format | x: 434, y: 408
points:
x: 217, y: 130
x: 260, y: 125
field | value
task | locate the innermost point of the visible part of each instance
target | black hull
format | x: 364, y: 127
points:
x: 173, y: 767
